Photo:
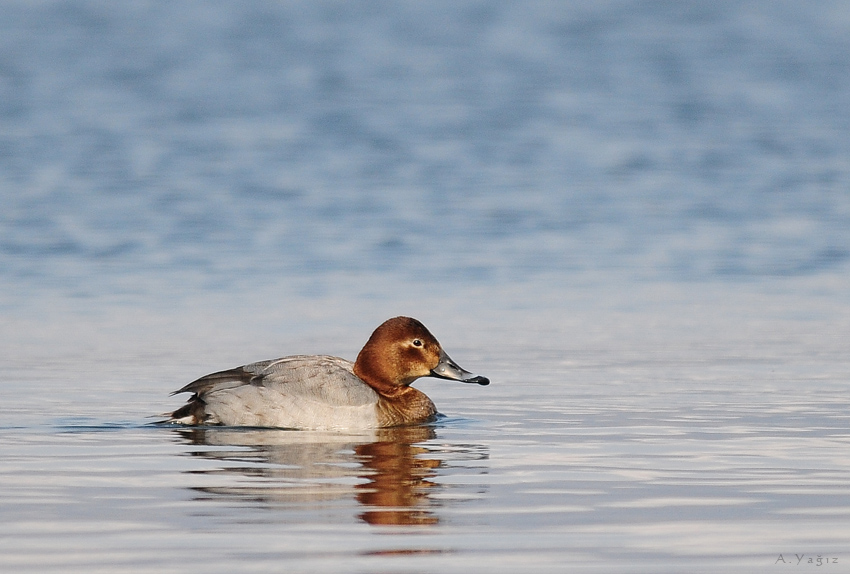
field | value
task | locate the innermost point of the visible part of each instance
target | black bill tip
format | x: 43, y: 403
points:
x: 483, y: 381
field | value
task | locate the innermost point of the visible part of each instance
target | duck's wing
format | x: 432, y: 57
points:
x: 330, y: 380
x: 231, y: 378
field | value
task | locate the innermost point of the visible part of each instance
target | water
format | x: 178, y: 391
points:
x: 633, y: 217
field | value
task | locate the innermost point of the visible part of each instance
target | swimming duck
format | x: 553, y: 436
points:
x: 324, y: 392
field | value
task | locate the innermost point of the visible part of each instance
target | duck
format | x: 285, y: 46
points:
x: 323, y: 392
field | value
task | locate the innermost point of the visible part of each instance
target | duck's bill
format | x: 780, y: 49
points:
x: 448, y: 369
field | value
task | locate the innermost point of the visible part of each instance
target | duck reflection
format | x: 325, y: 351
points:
x: 389, y: 472
x: 399, y: 486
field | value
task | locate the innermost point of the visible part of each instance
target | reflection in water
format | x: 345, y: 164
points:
x: 399, y: 486
x: 388, y: 471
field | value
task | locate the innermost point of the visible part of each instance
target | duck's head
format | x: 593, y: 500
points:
x: 400, y: 351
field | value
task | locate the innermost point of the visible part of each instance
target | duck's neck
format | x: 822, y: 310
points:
x: 379, y: 372
x: 399, y: 403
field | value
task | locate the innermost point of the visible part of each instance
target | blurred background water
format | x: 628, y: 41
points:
x: 633, y: 216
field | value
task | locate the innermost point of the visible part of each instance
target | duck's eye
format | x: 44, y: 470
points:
x: 417, y: 343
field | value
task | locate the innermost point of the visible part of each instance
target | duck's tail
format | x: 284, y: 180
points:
x: 192, y: 413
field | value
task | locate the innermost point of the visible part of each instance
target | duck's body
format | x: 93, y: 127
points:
x: 323, y: 392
